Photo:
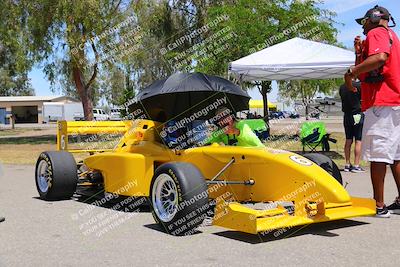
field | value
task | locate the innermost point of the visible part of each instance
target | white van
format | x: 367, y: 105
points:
x: 98, y: 115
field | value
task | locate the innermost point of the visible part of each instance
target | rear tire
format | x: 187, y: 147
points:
x: 56, y: 175
x: 327, y: 164
x: 179, y: 198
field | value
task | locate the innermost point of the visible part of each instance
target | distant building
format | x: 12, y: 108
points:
x: 27, y: 109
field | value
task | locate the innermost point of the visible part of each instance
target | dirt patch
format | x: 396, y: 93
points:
x: 22, y: 153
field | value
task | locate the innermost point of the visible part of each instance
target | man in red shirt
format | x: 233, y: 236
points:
x: 378, y: 68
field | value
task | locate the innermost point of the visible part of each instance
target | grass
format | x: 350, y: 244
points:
x: 28, y: 153
x: 26, y: 150
x: 22, y: 153
x: 6, y: 132
x: 37, y: 140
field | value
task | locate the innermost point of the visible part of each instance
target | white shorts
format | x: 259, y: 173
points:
x: 381, y: 134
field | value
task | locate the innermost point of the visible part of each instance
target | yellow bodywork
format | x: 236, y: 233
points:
x: 279, y: 177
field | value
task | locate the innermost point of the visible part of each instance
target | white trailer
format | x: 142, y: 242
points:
x: 54, y: 111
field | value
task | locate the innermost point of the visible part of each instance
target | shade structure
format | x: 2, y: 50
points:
x: 185, y: 94
x: 295, y: 59
x: 257, y: 103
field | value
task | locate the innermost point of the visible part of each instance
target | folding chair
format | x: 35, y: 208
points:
x: 258, y: 126
x: 313, y: 134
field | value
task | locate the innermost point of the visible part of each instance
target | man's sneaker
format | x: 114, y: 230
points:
x: 357, y: 169
x: 394, y: 208
x: 348, y: 168
x: 382, y: 212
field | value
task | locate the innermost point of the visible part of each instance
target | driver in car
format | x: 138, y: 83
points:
x: 232, y: 132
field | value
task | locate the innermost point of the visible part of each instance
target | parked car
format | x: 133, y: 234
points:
x: 115, y: 114
x: 286, y: 114
x: 276, y: 115
x: 98, y: 115
x: 294, y: 115
x: 326, y: 100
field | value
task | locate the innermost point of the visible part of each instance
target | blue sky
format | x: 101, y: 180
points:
x: 347, y: 11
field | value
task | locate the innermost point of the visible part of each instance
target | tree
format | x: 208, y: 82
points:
x: 162, y: 24
x: 113, y: 86
x: 75, y: 40
x: 14, y: 85
x: 253, y: 25
x: 264, y: 88
x: 14, y: 60
x: 13, y: 79
x: 248, y: 24
x: 230, y: 29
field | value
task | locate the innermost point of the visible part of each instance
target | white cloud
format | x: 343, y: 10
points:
x: 341, y: 6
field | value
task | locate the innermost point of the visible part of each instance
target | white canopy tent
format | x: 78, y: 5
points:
x: 295, y: 59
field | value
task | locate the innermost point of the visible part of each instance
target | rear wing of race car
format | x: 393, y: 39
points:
x: 77, y: 128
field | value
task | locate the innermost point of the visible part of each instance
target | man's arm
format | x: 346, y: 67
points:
x: 377, y: 48
x: 358, y: 48
x: 371, y: 63
x: 358, y: 45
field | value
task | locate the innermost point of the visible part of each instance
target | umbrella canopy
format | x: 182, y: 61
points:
x: 185, y: 94
x: 295, y: 59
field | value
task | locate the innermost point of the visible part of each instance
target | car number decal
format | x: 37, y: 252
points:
x: 300, y: 160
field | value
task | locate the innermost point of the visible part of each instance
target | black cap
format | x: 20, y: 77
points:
x: 376, y: 10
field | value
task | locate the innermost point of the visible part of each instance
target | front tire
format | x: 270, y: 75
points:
x: 56, y: 175
x: 327, y: 164
x: 179, y: 198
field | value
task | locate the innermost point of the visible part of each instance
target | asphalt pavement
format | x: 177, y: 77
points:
x: 75, y: 233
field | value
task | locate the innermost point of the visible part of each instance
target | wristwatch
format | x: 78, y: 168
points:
x: 350, y: 71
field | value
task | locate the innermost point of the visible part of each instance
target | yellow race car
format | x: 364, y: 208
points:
x: 248, y: 189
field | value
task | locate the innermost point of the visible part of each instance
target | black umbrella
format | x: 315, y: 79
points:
x: 193, y: 95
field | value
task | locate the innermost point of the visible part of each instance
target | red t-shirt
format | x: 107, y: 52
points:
x: 386, y: 93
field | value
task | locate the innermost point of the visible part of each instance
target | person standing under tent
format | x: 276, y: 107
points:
x: 378, y: 68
